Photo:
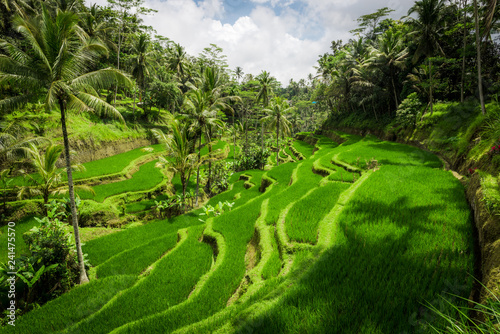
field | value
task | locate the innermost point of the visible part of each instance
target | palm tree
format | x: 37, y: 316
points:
x: 142, y: 60
x: 362, y: 80
x: 142, y: 63
x: 266, y: 82
x: 178, y: 146
x: 390, y: 53
x: 203, y: 118
x: 488, y: 23
x: 276, y: 117
x: 12, y: 145
x: 57, y: 68
x: 235, y: 130
x: 48, y: 179
x: 178, y: 62
x: 93, y: 22
x: 238, y: 73
x: 214, y: 84
x: 428, y: 26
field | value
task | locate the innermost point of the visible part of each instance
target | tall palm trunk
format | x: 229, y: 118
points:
x: 74, y: 215
x: 262, y: 135
x: 208, y: 185
x: 278, y: 141
x: 430, y: 85
x: 394, y: 90
x: 462, y: 83
x: 118, y: 55
x: 478, y: 48
x: 198, y: 173
x: 133, y: 112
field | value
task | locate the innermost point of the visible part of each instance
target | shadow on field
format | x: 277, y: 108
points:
x: 406, y: 155
x: 391, y: 260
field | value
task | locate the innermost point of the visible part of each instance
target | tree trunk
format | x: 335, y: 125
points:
x: 207, y: 186
x: 183, y: 182
x: 118, y: 54
x: 462, y: 83
x: 198, y: 173
x: 430, y: 85
x: 74, y: 215
x: 45, y: 202
x: 478, y: 48
x: 133, y: 112
x: 278, y: 141
x: 394, y: 91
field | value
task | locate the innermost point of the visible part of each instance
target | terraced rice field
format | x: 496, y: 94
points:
x: 304, y: 250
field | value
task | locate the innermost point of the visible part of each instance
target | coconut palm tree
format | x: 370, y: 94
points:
x: 178, y: 62
x: 238, y: 73
x: 215, y: 84
x: 428, y: 26
x: 390, y: 54
x: 202, y: 116
x: 48, y: 179
x: 267, y: 83
x: 179, y: 147
x: 491, y: 5
x: 12, y: 145
x: 142, y: 60
x: 55, y: 64
x: 276, y: 118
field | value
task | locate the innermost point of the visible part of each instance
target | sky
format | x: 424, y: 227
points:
x: 283, y: 37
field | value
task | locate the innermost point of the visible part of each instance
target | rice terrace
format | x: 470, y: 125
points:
x: 146, y: 190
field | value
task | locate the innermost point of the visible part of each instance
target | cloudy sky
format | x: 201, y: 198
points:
x: 284, y: 37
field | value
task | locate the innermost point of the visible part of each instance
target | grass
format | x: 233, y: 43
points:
x: 345, y: 258
x: 304, y: 148
x: 170, y: 281
x: 71, y: 307
x: 106, y: 166
x: 273, y: 266
x: 304, y: 216
x: 114, y: 164
x: 21, y: 227
x: 401, y: 242
x: 144, y: 205
x: 386, y: 153
x: 147, y: 177
x: 136, y: 260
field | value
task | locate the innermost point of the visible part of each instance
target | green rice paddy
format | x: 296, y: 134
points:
x: 330, y: 245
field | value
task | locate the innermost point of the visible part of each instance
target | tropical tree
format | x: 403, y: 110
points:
x: 55, y: 65
x: 48, y: 179
x: 235, y: 130
x: 390, y: 54
x: 428, y: 27
x: 142, y: 60
x: 178, y: 63
x: 266, y: 83
x: 180, y: 159
x: 93, y: 21
x: 202, y: 116
x: 238, y: 73
x: 12, y: 145
x: 214, y: 84
x: 491, y: 6
x: 276, y: 119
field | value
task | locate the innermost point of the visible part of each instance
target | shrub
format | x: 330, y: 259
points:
x: 96, y: 214
x: 51, y: 266
x: 408, y: 109
x: 222, y: 171
x: 255, y: 158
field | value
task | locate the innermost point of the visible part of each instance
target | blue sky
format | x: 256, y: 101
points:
x: 284, y: 37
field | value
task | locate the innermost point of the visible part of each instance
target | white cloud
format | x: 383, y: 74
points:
x: 287, y: 45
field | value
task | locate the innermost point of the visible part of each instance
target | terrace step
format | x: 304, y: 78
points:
x: 167, y: 282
